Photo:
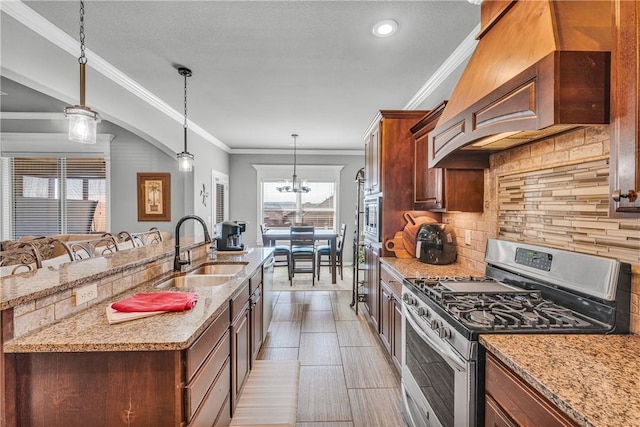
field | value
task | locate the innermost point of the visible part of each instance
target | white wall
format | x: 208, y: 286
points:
x: 244, y: 190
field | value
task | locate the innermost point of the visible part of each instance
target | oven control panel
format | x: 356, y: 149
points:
x: 535, y: 259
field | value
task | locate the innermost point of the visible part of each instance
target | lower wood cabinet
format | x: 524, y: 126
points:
x: 391, y: 314
x: 257, y: 320
x: 124, y: 388
x: 512, y: 402
x: 372, y: 281
x: 241, y: 350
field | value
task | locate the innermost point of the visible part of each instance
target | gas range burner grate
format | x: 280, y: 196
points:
x: 512, y: 311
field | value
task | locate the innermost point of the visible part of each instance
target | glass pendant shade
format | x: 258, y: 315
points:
x: 185, y: 162
x: 83, y: 124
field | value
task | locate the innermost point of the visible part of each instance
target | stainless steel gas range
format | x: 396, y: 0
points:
x: 526, y: 289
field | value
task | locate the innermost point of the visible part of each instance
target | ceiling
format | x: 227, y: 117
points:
x: 263, y: 70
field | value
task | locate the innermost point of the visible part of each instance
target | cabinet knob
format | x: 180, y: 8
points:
x: 632, y: 195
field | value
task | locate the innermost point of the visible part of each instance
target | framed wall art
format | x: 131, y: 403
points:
x: 154, y: 196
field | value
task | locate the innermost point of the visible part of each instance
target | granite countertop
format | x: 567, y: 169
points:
x: 594, y: 379
x: 89, y: 330
x: 412, y: 267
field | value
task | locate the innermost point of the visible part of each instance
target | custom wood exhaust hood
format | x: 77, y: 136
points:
x: 540, y: 68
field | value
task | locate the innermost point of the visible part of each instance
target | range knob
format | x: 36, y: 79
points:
x: 423, y: 312
x: 444, y: 333
x: 436, y: 324
x: 409, y: 299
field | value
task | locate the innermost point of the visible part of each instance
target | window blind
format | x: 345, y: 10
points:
x: 57, y: 195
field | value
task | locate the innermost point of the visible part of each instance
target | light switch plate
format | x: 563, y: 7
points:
x: 85, y: 293
x: 467, y: 237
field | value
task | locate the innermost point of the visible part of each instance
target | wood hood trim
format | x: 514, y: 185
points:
x: 540, y: 68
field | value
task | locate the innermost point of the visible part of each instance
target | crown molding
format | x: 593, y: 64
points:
x: 38, y: 24
x: 318, y: 168
x: 280, y: 152
x: 457, y: 57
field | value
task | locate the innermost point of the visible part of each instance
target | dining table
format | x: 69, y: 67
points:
x: 270, y: 237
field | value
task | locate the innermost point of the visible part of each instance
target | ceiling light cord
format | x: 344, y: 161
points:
x: 82, y: 59
x: 185, y: 110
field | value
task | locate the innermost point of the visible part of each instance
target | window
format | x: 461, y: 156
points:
x: 220, y: 198
x: 55, y: 195
x: 318, y: 207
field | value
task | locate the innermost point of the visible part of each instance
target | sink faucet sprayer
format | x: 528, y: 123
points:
x: 177, y: 262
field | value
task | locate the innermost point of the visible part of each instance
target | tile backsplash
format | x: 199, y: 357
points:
x: 553, y: 192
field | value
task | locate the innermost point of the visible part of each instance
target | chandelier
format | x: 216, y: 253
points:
x: 185, y: 159
x: 295, y: 186
x: 83, y: 121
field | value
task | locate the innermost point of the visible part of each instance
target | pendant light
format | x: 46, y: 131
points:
x: 295, y: 186
x: 83, y: 121
x: 185, y: 159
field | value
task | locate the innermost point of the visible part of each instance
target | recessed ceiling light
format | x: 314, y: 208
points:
x: 385, y: 28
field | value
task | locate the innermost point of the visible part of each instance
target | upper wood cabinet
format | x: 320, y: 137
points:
x: 389, y: 167
x: 439, y: 189
x: 372, y: 162
x: 387, y: 146
x: 625, y: 114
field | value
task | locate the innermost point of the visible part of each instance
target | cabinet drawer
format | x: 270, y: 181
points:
x: 198, y: 352
x: 214, y: 404
x: 394, y: 283
x: 518, y: 400
x: 237, y: 304
x: 255, y: 281
x: 197, y: 389
x: 224, y: 417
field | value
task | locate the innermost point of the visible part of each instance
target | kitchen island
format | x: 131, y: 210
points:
x: 168, y: 369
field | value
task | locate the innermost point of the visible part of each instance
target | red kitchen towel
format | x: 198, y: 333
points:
x: 157, y: 301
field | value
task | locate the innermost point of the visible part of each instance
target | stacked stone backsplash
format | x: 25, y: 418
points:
x: 553, y: 192
x: 47, y: 310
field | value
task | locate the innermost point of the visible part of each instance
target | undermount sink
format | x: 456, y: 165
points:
x: 219, y: 269
x: 193, y: 281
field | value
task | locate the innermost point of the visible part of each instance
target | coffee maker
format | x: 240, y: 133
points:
x: 230, y: 233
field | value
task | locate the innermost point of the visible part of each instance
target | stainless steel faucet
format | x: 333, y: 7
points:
x: 177, y: 261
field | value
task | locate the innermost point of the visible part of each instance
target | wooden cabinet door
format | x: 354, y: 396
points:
x: 240, y: 354
x: 463, y: 190
x: 386, y: 317
x: 372, y: 282
x: 257, y: 311
x: 625, y: 109
x: 396, y: 347
x: 427, y: 192
x: 372, y: 162
x: 428, y: 182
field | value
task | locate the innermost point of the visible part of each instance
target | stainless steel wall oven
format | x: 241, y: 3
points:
x: 526, y: 289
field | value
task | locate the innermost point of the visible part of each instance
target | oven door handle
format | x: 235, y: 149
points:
x: 452, y: 358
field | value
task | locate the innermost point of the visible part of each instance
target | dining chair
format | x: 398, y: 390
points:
x: 278, y: 252
x: 303, y: 251
x: 325, y: 251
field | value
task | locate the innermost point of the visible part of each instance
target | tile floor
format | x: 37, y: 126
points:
x: 346, y: 377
